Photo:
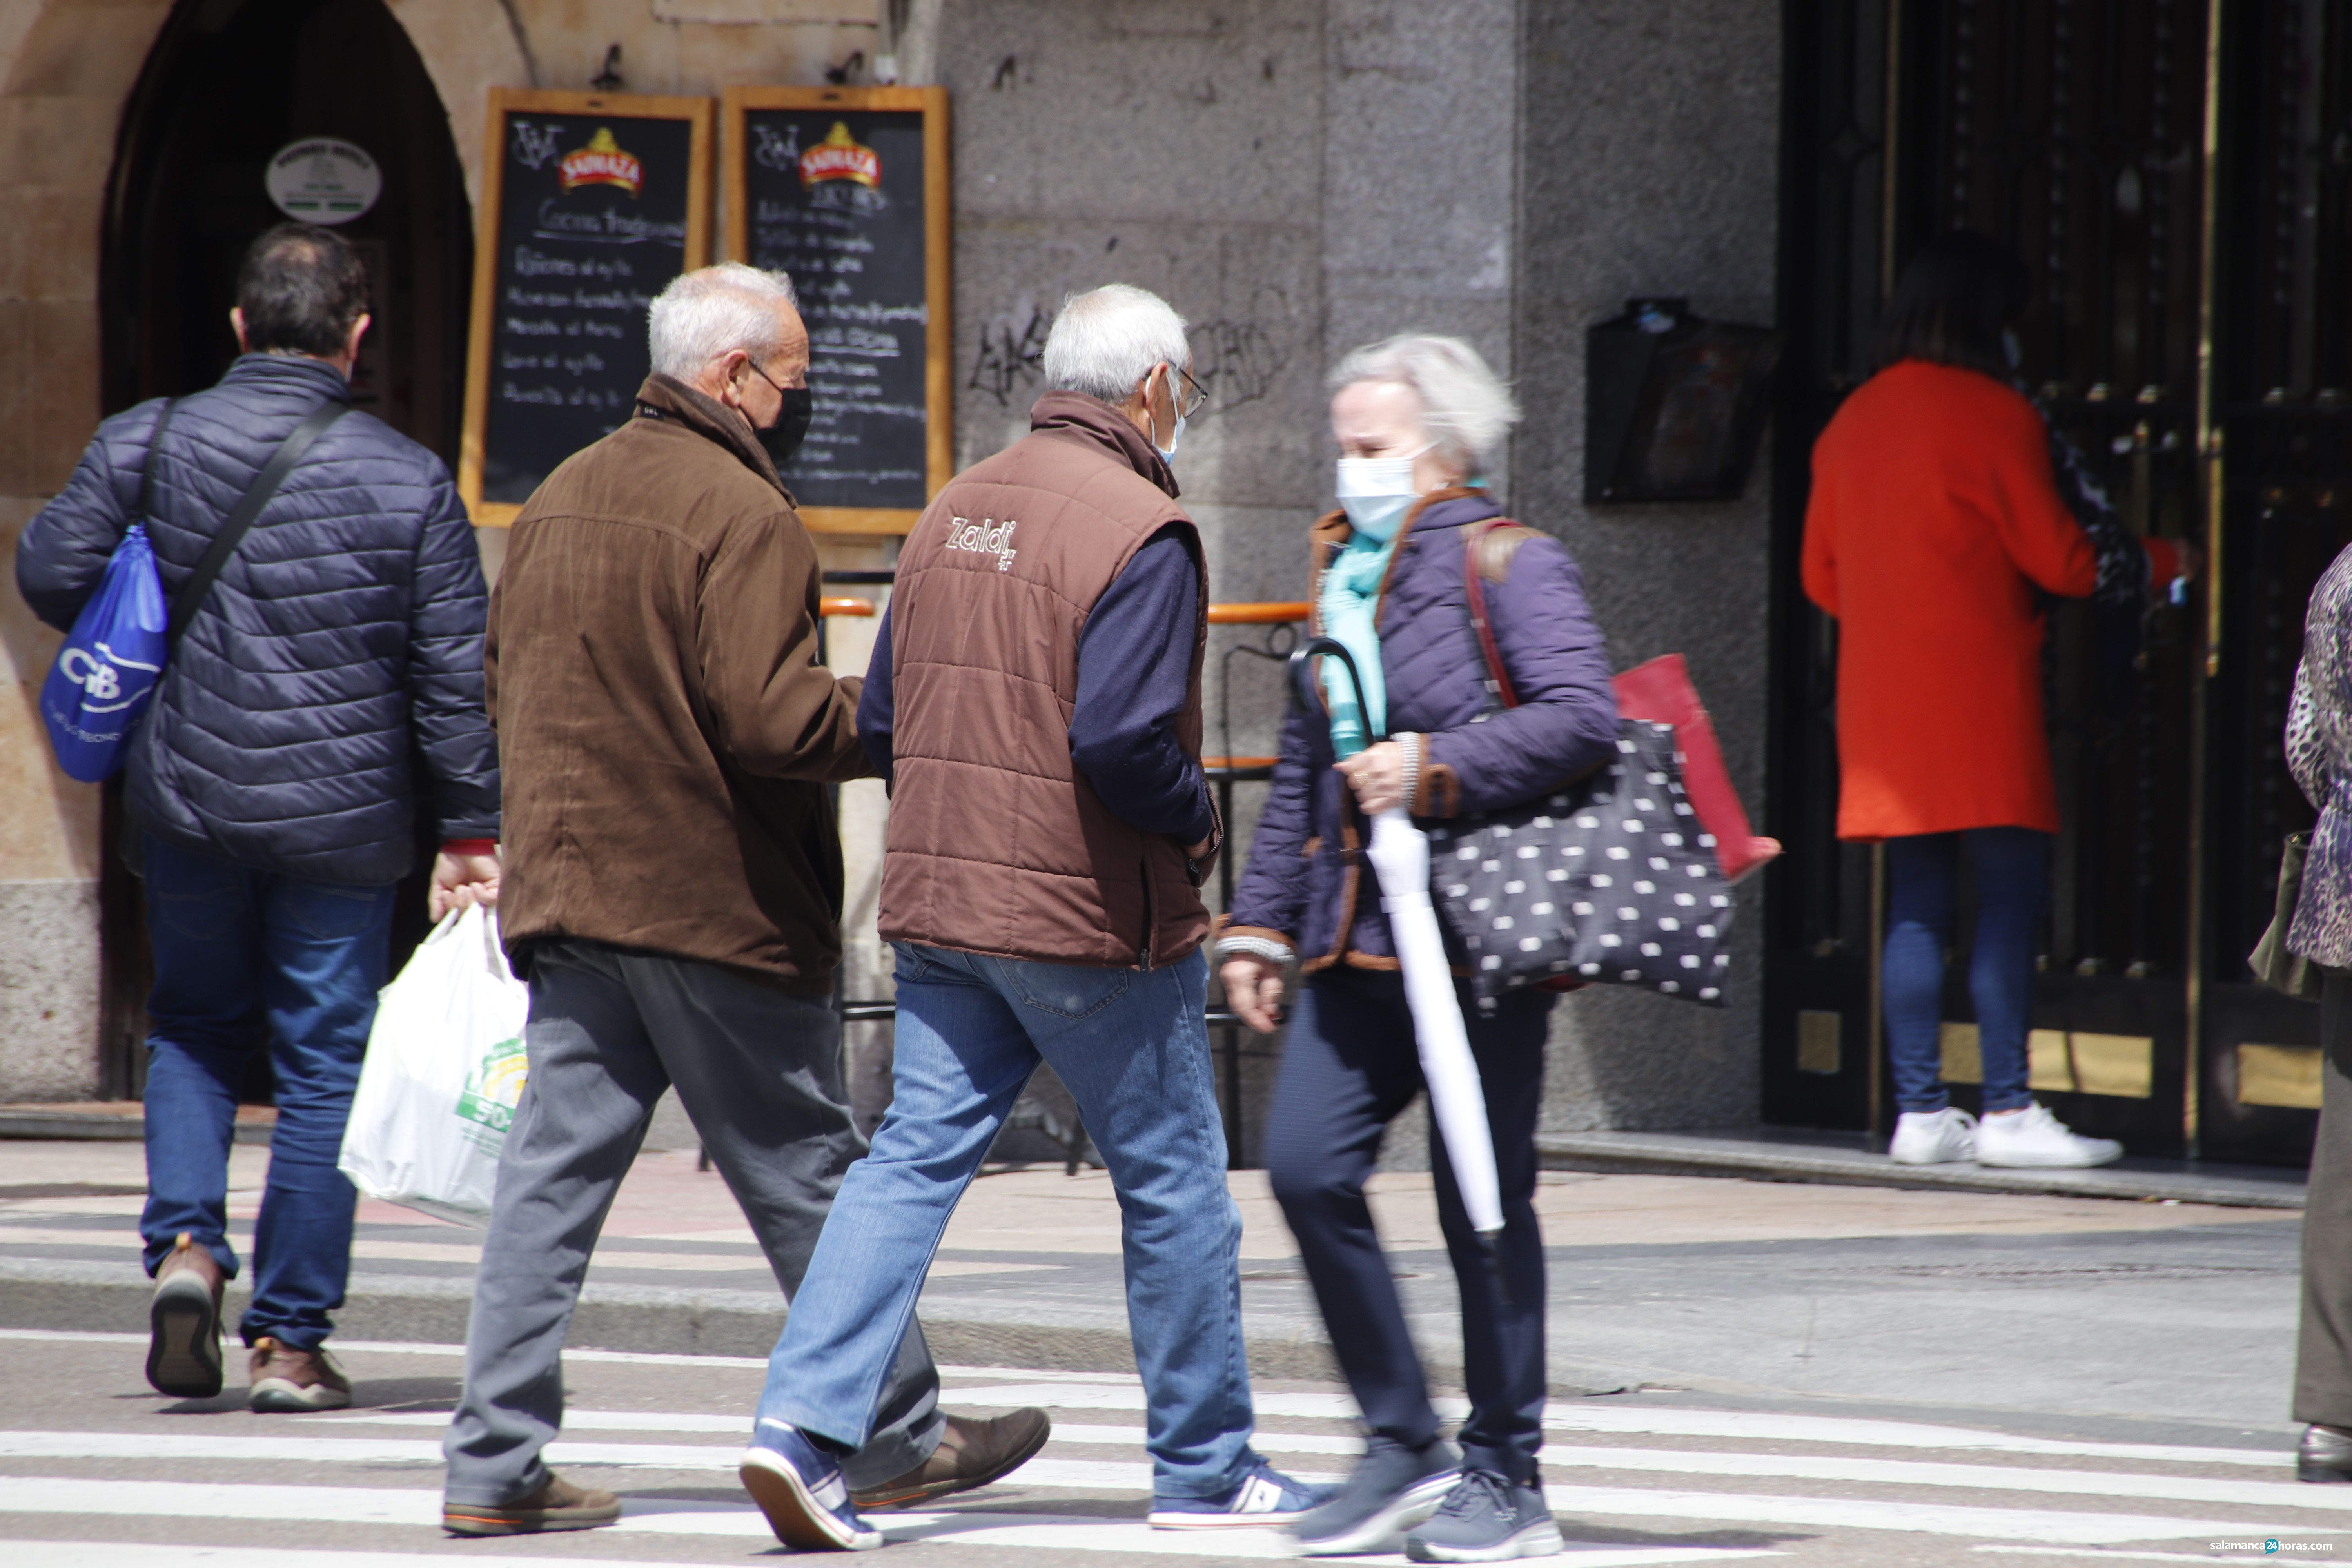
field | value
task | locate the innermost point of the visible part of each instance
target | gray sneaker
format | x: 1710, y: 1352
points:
x: 1485, y: 1518
x: 1391, y: 1489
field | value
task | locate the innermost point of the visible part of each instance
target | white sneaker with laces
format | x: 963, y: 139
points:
x: 1934, y: 1137
x: 2033, y: 1139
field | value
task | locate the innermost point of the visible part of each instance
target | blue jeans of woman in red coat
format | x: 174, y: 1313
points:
x: 2013, y: 888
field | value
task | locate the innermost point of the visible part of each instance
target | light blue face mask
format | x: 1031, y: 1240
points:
x: 1376, y: 492
x: 1168, y: 453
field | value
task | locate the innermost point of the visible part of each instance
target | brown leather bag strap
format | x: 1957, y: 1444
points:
x: 1499, y: 680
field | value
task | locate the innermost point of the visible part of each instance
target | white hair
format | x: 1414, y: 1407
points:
x: 1105, y: 342
x: 705, y: 313
x: 1465, y: 406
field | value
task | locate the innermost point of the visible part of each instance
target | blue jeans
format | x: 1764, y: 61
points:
x: 2013, y: 868
x: 242, y: 958
x: 1132, y: 1046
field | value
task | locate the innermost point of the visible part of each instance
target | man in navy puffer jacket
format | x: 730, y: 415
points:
x: 274, y: 784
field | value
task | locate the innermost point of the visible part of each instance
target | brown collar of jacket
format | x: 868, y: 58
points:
x: 1091, y: 419
x: 668, y: 399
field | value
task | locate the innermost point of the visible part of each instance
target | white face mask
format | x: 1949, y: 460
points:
x: 1376, y: 492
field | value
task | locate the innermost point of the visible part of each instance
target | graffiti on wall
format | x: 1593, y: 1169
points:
x: 1236, y: 361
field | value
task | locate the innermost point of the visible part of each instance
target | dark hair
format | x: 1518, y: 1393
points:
x: 300, y: 288
x: 1954, y: 300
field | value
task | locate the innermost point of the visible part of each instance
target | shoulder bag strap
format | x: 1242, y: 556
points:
x: 191, y: 596
x: 146, y: 508
x: 1499, y: 680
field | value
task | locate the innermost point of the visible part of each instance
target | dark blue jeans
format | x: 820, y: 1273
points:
x: 1348, y: 1069
x: 245, y: 958
x: 2013, y: 868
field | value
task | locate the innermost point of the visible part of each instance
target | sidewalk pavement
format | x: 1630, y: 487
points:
x: 2160, y: 1307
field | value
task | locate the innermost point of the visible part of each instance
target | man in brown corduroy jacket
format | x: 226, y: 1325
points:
x: 673, y: 885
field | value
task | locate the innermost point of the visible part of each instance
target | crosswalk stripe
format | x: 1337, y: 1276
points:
x: 1923, y: 1473
x: 1935, y: 1519
x: 1122, y: 1476
x: 1126, y: 1538
x: 373, y: 1505
x: 368, y: 1505
x: 1738, y: 1425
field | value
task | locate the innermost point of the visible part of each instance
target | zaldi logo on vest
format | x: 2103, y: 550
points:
x: 841, y: 156
x: 600, y: 163
x: 986, y: 537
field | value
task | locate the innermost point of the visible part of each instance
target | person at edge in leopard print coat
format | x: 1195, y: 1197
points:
x: 2319, y: 754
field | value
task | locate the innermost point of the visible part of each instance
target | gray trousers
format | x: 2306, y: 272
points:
x: 760, y: 1074
x: 2323, y: 1359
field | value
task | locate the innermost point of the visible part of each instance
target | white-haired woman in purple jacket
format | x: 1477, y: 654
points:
x: 1418, y: 420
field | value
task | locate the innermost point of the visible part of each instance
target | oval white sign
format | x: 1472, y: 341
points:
x: 324, y: 181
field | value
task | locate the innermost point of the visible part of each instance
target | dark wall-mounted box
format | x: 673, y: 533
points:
x: 1673, y: 403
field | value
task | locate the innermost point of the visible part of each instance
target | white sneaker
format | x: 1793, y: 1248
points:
x: 1934, y: 1137
x: 2033, y: 1138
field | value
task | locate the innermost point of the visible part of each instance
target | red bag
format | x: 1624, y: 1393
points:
x: 1658, y: 692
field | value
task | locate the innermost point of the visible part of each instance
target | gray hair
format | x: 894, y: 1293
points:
x: 1465, y: 406
x: 705, y: 313
x: 1105, y: 342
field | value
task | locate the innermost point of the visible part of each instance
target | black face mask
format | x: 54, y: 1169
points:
x: 781, y: 440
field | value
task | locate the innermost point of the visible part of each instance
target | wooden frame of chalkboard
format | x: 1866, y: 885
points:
x: 818, y: 183
x: 576, y: 330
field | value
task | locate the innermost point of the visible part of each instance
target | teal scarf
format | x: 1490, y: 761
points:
x: 1351, y: 593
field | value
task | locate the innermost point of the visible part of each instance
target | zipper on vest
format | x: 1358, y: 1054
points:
x: 1150, y: 917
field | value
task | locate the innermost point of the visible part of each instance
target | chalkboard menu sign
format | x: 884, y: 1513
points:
x: 845, y: 189
x: 591, y: 203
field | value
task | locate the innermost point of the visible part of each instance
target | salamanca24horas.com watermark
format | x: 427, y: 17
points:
x: 2274, y: 1546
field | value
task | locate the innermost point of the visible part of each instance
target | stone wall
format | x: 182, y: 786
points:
x: 1649, y: 165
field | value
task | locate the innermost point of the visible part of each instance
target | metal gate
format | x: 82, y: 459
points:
x: 2174, y: 175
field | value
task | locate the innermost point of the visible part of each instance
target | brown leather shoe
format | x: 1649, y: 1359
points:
x: 971, y: 1454
x: 183, y: 1349
x: 292, y: 1381
x: 557, y: 1505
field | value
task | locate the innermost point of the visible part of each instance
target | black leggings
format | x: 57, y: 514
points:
x: 1349, y: 1068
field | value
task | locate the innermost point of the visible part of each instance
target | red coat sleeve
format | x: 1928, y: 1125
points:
x: 2043, y: 540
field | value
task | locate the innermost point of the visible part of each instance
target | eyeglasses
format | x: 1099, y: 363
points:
x: 762, y: 375
x: 1193, y: 396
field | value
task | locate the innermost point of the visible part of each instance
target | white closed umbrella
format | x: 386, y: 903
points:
x: 1457, y: 1101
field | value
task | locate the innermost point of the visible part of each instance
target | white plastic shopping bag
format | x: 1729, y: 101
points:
x: 444, y: 1071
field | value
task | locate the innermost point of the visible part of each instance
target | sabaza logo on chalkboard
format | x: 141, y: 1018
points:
x: 600, y: 163
x: 843, y: 172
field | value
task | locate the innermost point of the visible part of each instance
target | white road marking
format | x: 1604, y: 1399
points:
x: 1935, y: 1519
x: 1766, y: 1427
x: 2109, y: 1551
x: 1136, y: 1476
x: 125, y: 1554
x: 379, y: 1505
x: 1928, y: 1473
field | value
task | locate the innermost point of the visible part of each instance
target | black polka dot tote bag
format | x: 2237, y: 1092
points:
x: 1610, y: 882
x: 1611, y: 879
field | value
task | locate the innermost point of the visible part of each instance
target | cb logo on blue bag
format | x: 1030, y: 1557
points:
x: 95, y: 673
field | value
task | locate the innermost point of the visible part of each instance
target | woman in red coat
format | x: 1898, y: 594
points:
x: 1934, y: 525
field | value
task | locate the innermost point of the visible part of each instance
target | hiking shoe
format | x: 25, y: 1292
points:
x: 972, y: 1454
x: 1934, y: 1137
x: 184, y: 1348
x: 2033, y: 1139
x: 557, y: 1504
x: 1264, y: 1497
x: 1392, y: 1489
x: 799, y: 1487
x: 2323, y: 1455
x: 290, y: 1381
x: 1485, y: 1518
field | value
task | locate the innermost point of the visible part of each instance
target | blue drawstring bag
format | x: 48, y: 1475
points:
x: 108, y: 670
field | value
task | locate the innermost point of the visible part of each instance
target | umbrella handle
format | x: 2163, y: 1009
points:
x: 1302, y: 675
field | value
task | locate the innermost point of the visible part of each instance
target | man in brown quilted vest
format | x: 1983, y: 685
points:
x: 1035, y: 700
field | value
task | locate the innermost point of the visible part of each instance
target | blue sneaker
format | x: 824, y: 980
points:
x: 1265, y: 1498
x: 800, y: 1488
